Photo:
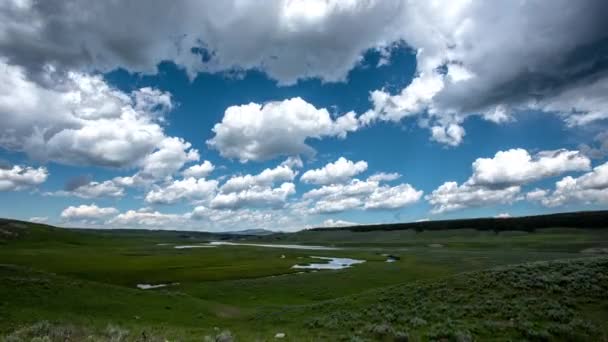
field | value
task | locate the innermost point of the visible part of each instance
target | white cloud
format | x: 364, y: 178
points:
x: 260, y: 132
x: 287, y: 39
x: 399, y: 196
x: 536, y: 195
x: 266, y: 178
x: 185, y: 189
x: 87, y: 212
x: 19, y: 177
x: 38, y: 219
x: 200, y: 170
x: 204, y: 218
x: 479, y: 58
x: 589, y: 188
x: 384, y: 177
x: 354, y: 188
x: 517, y: 166
x: 579, y: 105
x: 411, y: 101
x: 503, y: 215
x: 450, y: 196
x: 498, y: 180
x: 257, y: 190
x: 80, y: 120
x: 255, y: 196
x: 339, y: 171
x: 598, y: 149
x: 237, y: 219
x: 473, y: 58
x: 358, y: 194
x: 337, y: 223
x: 96, y: 189
x: 451, y: 134
x: 293, y: 162
x: 148, y: 219
x: 329, y: 206
x: 171, y: 154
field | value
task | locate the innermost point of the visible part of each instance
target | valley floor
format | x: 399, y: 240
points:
x: 459, y: 285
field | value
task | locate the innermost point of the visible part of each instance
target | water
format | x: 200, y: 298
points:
x: 331, y: 264
x: 226, y: 243
x: 153, y: 286
x: 193, y: 246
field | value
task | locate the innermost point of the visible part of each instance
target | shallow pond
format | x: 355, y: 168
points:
x: 331, y: 264
x: 151, y: 286
x: 193, y: 246
x: 226, y: 243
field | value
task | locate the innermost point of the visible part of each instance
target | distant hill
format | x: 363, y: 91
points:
x: 582, y: 219
x: 256, y: 232
x: 15, y: 229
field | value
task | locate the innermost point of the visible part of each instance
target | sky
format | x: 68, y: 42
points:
x: 291, y: 114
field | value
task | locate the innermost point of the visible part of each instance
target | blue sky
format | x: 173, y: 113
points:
x: 317, y: 124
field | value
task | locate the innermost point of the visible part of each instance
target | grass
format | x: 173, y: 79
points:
x: 554, y: 300
x: 471, y: 285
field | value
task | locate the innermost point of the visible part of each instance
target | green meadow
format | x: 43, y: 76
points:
x: 450, y: 285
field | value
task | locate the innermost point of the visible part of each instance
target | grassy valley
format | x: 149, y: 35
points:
x: 546, y: 283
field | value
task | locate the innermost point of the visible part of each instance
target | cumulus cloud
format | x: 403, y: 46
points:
x: 96, y: 189
x: 21, y: 177
x: 536, y: 195
x: 473, y: 58
x: 204, y: 218
x: 38, y: 219
x: 337, y: 223
x: 330, y: 206
x: 266, y: 178
x: 517, y: 166
x: 255, y: 196
x: 170, y: 155
x: 231, y: 219
x: 81, y: 120
x: 598, y: 149
x: 200, y: 170
x: 87, y: 212
x: 498, y: 180
x: 288, y: 40
x: 384, y: 177
x: 451, y: 134
x: 146, y: 217
x: 339, y: 171
x: 258, y: 190
x: 354, y: 188
x: 589, y: 188
x: 394, y: 197
x: 293, y: 162
x: 357, y: 194
x: 451, y: 196
x: 479, y: 58
x: 260, y: 132
x: 411, y: 101
x: 186, y: 189
x: 78, y: 181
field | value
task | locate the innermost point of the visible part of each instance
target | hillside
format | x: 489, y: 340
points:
x: 582, y: 219
x: 440, y: 284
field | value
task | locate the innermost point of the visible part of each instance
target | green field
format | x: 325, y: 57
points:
x: 460, y: 285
